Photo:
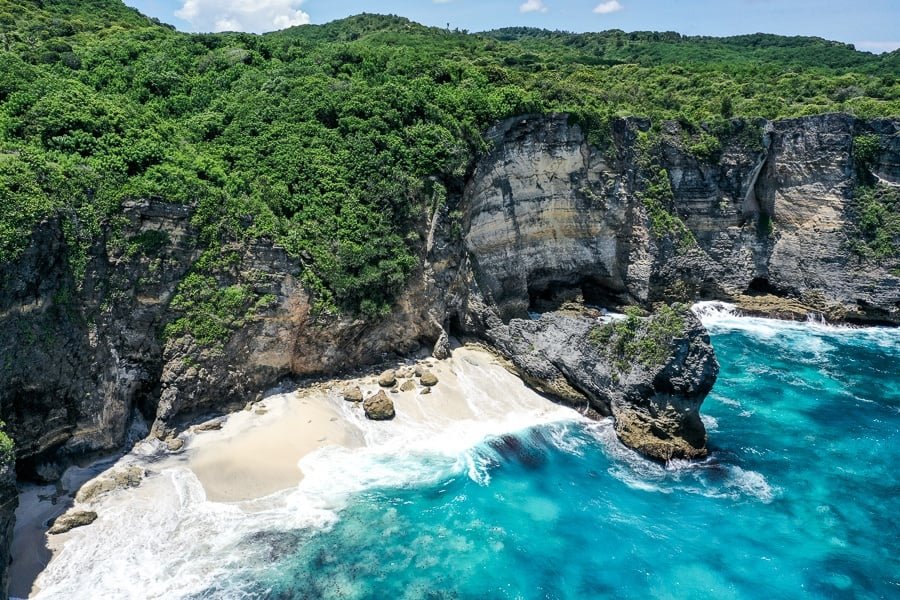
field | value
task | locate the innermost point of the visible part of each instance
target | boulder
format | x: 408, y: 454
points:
x: 442, y: 346
x: 428, y: 379
x: 214, y: 425
x: 379, y: 407
x: 71, y: 520
x: 408, y: 385
x: 388, y: 378
x: 119, y: 479
x: 174, y: 444
x: 353, y: 394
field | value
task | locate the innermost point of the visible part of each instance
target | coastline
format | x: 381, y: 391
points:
x: 254, y: 459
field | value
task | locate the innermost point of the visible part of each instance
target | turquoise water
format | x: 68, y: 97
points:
x: 800, y: 498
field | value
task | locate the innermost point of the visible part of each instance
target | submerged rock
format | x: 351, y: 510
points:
x: 71, y: 520
x: 379, y: 407
x: 353, y: 394
x: 388, y: 378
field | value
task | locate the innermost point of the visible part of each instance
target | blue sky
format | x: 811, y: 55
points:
x: 872, y: 25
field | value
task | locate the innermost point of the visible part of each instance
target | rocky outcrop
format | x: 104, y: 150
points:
x: 655, y: 399
x: 119, y: 479
x: 72, y: 519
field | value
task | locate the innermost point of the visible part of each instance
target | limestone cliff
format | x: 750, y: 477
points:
x: 544, y: 218
x: 769, y: 212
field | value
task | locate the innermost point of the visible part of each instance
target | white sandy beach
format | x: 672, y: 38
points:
x: 259, y: 452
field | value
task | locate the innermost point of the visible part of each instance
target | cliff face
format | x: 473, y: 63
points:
x: 780, y: 221
x: 9, y: 501
x: 545, y: 219
x: 548, y: 215
x: 770, y: 213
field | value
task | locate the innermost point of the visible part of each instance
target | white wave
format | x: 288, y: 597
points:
x: 709, y: 478
x: 165, y: 539
x: 750, y: 483
x: 810, y: 341
x: 711, y: 423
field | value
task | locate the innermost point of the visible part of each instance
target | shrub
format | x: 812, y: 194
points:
x: 636, y: 339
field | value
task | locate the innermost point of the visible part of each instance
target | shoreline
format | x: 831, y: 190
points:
x: 258, y: 453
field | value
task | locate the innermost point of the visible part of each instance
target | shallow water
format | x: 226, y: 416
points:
x: 799, y: 498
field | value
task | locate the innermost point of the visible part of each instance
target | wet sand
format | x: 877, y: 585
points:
x: 254, y: 453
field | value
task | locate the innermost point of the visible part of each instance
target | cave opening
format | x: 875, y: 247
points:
x: 454, y: 327
x: 546, y: 296
x: 760, y: 286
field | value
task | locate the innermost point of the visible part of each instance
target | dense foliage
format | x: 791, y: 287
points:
x: 635, y: 339
x: 337, y: 140
x: 7, y: 447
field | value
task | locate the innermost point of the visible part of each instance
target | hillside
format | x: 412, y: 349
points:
x: 328, y: 138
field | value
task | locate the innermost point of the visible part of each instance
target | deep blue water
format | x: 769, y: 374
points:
x: 800, y: 498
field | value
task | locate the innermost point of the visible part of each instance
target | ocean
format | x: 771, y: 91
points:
x: 799, y: 498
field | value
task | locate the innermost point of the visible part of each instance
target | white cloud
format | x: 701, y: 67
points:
x: 877, y: 47
x: 242, y: 15
x: 533, y: 6
x: 604, y: 8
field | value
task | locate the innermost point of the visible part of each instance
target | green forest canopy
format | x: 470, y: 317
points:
x: 333, y: 140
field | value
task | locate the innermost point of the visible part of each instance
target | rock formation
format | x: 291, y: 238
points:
x: 9, y: 501
x: 654, y: 396
x: 72, y: 519
x: 119, y: 479
x: 379, y: 407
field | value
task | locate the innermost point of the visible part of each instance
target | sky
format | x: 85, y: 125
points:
x: 871, y: 25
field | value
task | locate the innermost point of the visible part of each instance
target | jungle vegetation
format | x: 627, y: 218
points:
x: 336, y: 140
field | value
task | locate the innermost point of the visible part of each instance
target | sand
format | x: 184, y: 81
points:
x: 255, y: 453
